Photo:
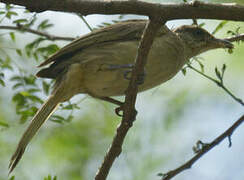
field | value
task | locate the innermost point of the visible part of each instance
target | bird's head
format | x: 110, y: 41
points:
x: 197, y: 40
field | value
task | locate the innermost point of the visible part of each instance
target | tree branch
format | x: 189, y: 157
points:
x: 129, y: 112
x: 169, y: 11
x: 237, y: 38
x: 204, y: 150
x: 48, y: 36
x: 218, y: 83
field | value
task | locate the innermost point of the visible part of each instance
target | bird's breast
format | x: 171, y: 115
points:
x: 164, y: 61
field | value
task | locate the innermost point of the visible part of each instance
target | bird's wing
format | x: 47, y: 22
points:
x: 117, y: 32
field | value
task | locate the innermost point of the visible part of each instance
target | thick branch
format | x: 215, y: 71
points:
x: 48, y: 36
x: 129, y: 112
x: 169, y: 11
x: 204, y: 150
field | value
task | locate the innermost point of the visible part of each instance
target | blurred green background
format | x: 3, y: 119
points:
x: 171, y: 118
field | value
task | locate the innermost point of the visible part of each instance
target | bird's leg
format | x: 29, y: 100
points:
x: 111, y: 100
x: 116, y: 102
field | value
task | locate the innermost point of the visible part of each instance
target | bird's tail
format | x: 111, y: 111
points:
x: 40, y: 117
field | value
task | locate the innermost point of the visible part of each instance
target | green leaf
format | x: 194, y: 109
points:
x: 3, y: 124
x: 35, y: 98
x: 19, y: 52
x: 44, y: 25
x: 8, y: 7
x: 17, y: 85
x: 19, y: 21
x: 12, y: 178
x: 201, y: 66
x: 45, y: 87
x: 9, y: 14
x: 49, y: 177
x: 6, y: 64
x: 218, y: 74
x: 25, y: 93
x: 57, y: 119
x: 16, y: 78
x: 220, y: 26
x: 19, y: 99
x: 33, y: 90
x: 2, y: 82
x: 30, y: 80
x: 29, y: 48
x: 202, y: 24
x: 12, y: 36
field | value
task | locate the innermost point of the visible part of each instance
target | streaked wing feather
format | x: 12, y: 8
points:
x: 106, y: 34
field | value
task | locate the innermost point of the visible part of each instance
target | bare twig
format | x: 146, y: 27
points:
x: 204, y: 150
x: 48, y: 36
x: 85, y: 21
x: 237, y: 38
x: 219, y: 83
x: 129, y: 112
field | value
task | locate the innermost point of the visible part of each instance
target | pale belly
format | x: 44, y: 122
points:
x: 100, y: 80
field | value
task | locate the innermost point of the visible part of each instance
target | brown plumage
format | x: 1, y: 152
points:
x: 87, y: 65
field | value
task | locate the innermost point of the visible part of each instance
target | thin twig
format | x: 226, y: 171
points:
x: 219, y: 83
x: 204, y: 150
x: 237, y: 38
x: 85, y: 21
x: 129, y: 112
x: 48, y: 36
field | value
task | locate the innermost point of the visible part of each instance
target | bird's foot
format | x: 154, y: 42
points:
x: 140, y: 77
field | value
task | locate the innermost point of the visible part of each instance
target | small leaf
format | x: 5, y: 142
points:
x: 17, y: 85
x: 19, y: 52
x: 220, y: 26
x: 3, y: 124
x: 202, y: 24
x: 16, y: 78
x: 9, y: 14
x: 223, y: 68
x: 218, y: 74
x: 44, y: 25
x: 183, y: 71
x: 33, y: 90
x: 6, y: 64
x: 19, y: 21
x: 57, y: 119
x: 12, y: 178
x: 45, y: 87
x: 2, y: 82
x: 12, y: 36
x: 201, y: 65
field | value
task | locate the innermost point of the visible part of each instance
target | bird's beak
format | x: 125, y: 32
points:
x: 222, y: 43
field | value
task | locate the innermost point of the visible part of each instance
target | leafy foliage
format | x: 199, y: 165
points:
x: 49, y: 177
x: 27, y: 89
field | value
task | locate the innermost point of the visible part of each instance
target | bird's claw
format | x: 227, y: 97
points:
x: 118, y: 111
x: 140, y: 77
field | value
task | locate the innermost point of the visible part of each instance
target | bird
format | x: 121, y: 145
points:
x: 95, y: 64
